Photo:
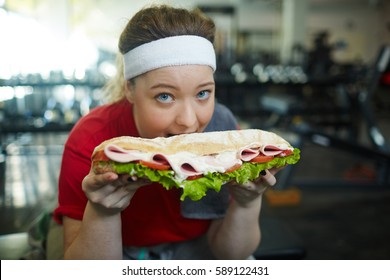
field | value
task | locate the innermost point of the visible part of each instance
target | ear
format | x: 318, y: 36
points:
x: 129, y: 91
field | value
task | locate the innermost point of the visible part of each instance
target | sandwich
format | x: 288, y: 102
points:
x: 196, y: 162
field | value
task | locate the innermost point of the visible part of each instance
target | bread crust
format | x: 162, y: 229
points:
x: 205, y: 143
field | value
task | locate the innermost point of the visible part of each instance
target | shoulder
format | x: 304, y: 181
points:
x: 223, y: 119
x: 105, y: 113
x: 102, y: 123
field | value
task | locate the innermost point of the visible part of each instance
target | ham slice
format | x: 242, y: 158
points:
x: 249, y: 152
x: 184, y: 164
x: 224, y: 160
x: 187, y: 170
x: 187, y: 164
x: 272, y: 150
x: 160, y: 159
x: 119, y: 154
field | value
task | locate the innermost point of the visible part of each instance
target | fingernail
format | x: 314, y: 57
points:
x: 263, y: 173
x: 131, y: 179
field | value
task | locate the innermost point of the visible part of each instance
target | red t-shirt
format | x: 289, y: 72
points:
x: 153, y: 216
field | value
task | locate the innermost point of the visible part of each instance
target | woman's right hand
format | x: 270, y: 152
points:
x: 109, y: 192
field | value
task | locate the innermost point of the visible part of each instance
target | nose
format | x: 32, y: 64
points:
x: 186, y: 116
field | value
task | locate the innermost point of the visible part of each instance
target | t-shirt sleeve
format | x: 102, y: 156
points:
x: 102, y: 123
x: 76, y: 163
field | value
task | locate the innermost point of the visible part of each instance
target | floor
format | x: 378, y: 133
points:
x: 345, y: 218
x: 348, y: 219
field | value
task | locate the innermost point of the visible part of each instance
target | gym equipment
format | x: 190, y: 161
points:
x: 283, y: 107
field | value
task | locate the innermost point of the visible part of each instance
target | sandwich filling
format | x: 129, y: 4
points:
x: 194, y: 173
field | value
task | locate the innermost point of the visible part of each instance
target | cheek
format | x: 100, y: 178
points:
x: 151, y: 121
x: 156, y: 119
x: 205, y: 114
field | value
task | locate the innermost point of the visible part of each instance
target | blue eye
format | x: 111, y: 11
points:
x: 204, y: 94
x: 164, y: 98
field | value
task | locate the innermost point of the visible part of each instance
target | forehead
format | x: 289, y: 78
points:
x: 190, y: 74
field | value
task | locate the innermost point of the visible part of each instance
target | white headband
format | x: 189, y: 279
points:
x: 170, y: 51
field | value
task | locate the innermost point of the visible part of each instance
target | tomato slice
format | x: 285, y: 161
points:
x: 286, y: 153
x: 100, y: 156
x: 194, y: 177
x: 262, y: 158
x: 153, y: 165
x: 233, y: 168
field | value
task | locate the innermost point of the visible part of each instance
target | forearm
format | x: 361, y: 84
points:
x: 238, y: 235
x: 98, y: 237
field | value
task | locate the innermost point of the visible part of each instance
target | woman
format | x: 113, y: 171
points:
x: 168, y: 89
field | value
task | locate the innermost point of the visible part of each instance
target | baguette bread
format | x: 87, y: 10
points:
x: 197, y: 143
x: 195, y: 162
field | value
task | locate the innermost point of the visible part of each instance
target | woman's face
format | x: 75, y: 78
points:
x: 173, y: 100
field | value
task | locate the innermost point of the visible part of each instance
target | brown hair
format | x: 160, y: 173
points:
x: 153, y: 23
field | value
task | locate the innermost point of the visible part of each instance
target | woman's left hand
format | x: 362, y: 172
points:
x: 245, y: 194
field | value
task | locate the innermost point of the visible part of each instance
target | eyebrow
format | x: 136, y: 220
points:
x: 162, y: 85
x: 207, y: 84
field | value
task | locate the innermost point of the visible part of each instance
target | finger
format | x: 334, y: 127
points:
x: 124, y: 202
x: 276, y: 170
x: 119, y: 198
x: 133, y: 182
x: 268, y: 178
x: 247, y: 187
x: 250, y: 186
x: 105, y: 178
x: 96, y: 181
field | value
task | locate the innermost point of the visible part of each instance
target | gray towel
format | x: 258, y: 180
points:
x: 212, y: 206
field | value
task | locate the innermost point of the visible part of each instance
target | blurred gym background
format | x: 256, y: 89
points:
x: 317, y: 72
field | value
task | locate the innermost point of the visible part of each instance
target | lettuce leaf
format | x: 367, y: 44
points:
x: 196, y: 189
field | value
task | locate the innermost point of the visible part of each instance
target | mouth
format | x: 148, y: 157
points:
x: 175, y: 134
x: 170, y: 135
